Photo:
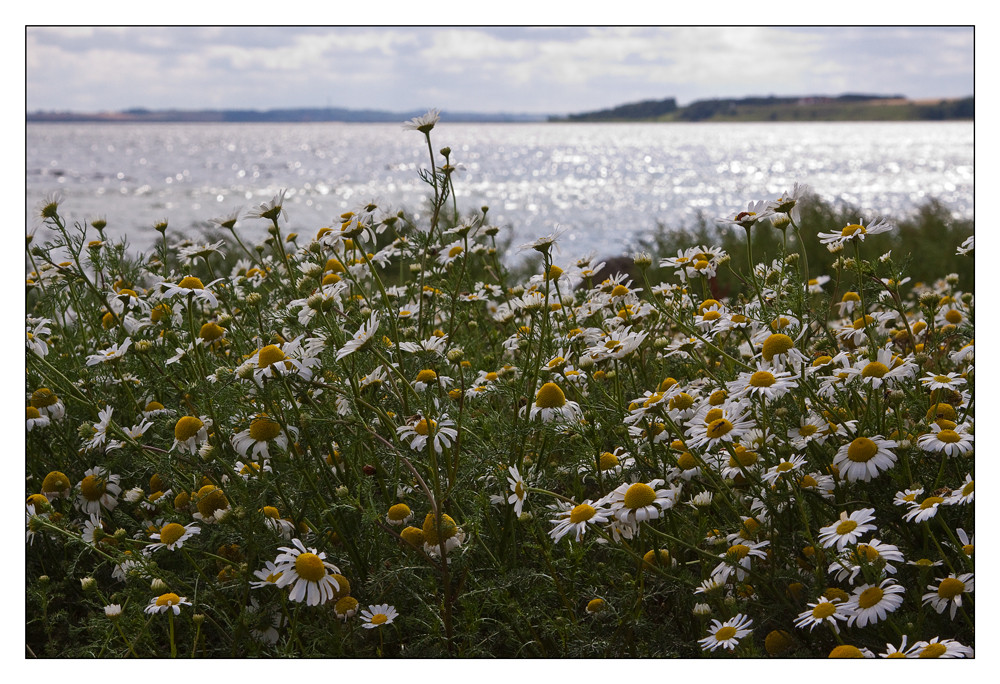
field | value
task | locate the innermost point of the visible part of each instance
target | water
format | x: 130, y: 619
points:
x: 609, y: 184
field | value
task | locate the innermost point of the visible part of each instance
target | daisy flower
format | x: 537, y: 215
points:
x: 720, y: 424
x: 110, y: 354
x: 641, y: 501
x: 865, y: 458
x: 848, y: 529
x: 518, y: 492
x: 551, y: 405
x: 756, y: 211
x: 48, y: 403
x: 419, y: 432
x: 726, y: 634
x: 98, y: 489
x: 261, y: 431
x: 855, y: 231
x: 786, y: 469
x: 165, y: 602
x: 346, y: 607
x: 873, y: 554
x: 447, y: 534
x: 870, y: 603
x: 268, y: 576
x: 376, y: 616
x: 190, y: 432
x: 35, y: 419
x: 399, y: 514
x: 190, y: 286
x: 423, y: 123
x: 172, y: 536
x: 901, y: 652
x: 307, y: 571
x: 949, y: 592
x: 949, y: 381
x: 765, y: 382
x: 577, y: 519
x: 962, y: 495
x: 925, y: 510
x: 823, y: 611
x: 364, y: 334
x: 736, y: 560
x: 952, y: 441
x: 941, y: 648
x: 56, y: 485
x: 271, y: 209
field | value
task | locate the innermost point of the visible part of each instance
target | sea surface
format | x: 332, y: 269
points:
x: 609, y: 185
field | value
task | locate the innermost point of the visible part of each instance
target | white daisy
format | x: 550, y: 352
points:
x: 870, y: 603
x: 165, y: 602
x: 518, y: 491
x: 192, y: 287
x: 855, y: 231
x: 951, y: 441
x: 419, y: 432
x: 641, y: 501
x: 263, y: 430
x: 924, y: 510
x: 308, y: 572
x: 865, y: 458
x: 726, y: 634
x: 172, y: 536
x: 361, y: 337
x: 848, y: 529
x: 376, y: 616
x: 576, y: 520
x: 736, y: 560
x: 941, y: 648
x: 98, y: 489
x: 190, y: 432
x: 551, y: 405
x: 949, y: 592
x: 823, y: 611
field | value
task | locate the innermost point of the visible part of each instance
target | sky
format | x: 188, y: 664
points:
x: 513, y: 69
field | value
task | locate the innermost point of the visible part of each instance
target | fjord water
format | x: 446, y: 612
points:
x: 608, y: 184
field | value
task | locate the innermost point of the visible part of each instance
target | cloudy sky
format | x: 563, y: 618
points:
x: 547, y: 70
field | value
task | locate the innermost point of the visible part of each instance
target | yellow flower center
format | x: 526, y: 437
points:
x: 191, y: 283
x: 268, y: 355
x: 619, y: 291
x: 874, y: 370
x: 824, y: 610
x: 426, y: 376
x: 950, y: 588
x: 846, y: 651
x: 31, y: 412
x: 310, y: 567
x: 55, y: 482
x: 862, y: 322
x: 550, y: 396
x: 969, y: 488
x: 187, y: 427
x: 846, y: 526
x: 154, y: 406
x: 607, y: 460
x: 775, y: 345
x: 168, y: 600
x: 953, y: 316
x: 639, y: 495
x: 808, y: 481
x: 425, y: 426
x: 380, y: 618
x: 866, y: 551
x: 686, y: 461
x: 742, y: 457
x: 738, y: 551
x: 270, y: 512
x: 762, y: 379
x: 398, y: 511
x: 210, y: 500
x: 725, y: 633
x: 711, y: 314
x: 862, y: 450
x: 581, y: 513
x: 93, y: 487
x: 171, y: 532
x: 716, y: 398
x: 949, y: 436
x: 43, y: 397
x: 930, y: 501
x: 263, y: 429
x: 852, y: 229
x: 211, y: 331
x: 785, y: 466
x: 718, y: 428
x: 933, y: 651
x: 870, y: 597
x: 434, y: 536
x: 682, y: 401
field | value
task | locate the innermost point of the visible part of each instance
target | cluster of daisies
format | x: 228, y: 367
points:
x: 799, y: 456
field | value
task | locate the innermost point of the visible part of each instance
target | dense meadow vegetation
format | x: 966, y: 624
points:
x: 753, y: 438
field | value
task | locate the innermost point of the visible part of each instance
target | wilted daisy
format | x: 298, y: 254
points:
x: 865, y: 458
x: 165, y: 602
x: 870, y: 603
x: 447, y: 534
x: 376, y: 616
x: 308, y: 572
x: 98, y: 489
x: 577, y: 519
x: 948, y: 593
x: 47, y: 403
x: 848, y: 529
x: 172, y: 536
x: 35, y: 419
x: 823, y: 611
x: 726, y: 634
x: 263, y: 430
